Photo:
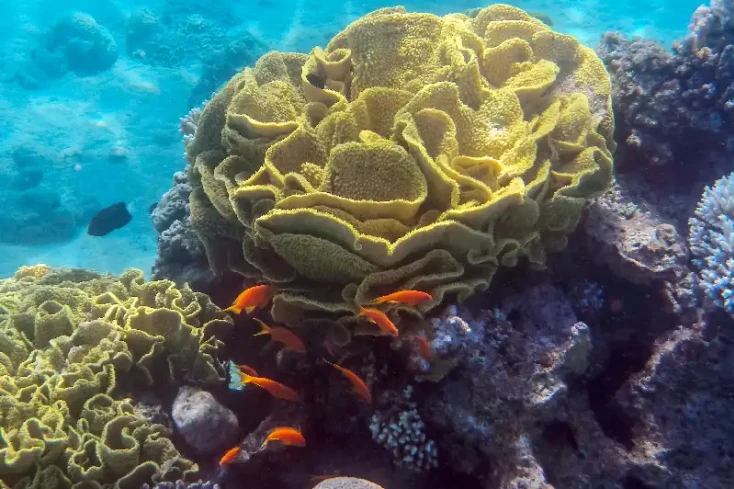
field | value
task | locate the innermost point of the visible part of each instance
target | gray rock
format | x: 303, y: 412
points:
x: 206, y: 425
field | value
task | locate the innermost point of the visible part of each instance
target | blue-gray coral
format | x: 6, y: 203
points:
x: 76, y: 43
x: 672, y: 108
x: 712, y: 242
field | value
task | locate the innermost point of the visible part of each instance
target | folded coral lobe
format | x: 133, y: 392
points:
x: 413, y: 152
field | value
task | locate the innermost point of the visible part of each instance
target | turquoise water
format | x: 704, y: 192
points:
x: 78, y: 143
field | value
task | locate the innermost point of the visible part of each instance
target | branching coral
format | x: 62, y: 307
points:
x: 711, y: 240
x: 401, y: 431
x: 415, y: 151
x: 68, y: 340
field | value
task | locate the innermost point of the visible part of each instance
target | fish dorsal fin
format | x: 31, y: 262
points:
x: 248, y: 370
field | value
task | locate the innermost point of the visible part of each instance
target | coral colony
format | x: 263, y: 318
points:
x: 401, y: 259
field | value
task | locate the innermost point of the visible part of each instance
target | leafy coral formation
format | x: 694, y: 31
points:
x: 415, y: 151
x: 68, y: 339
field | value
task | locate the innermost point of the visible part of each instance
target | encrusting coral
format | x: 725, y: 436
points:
x: 69, y: 341
x: 414, y: 152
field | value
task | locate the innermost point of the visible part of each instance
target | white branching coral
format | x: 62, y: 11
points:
x: 400, y: 430
x: 189, y: 123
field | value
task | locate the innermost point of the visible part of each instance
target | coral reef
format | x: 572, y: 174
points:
x: 189, y: 123
x: 166, y: 39
x: 75, y: 43
x: 176, y: 35
x: 681, y: 405
x: 510, y: 381
x: 72, y: 341
x: 221, y: 64
x: 87, y: 46
x: 588, y: 296
x: 42, y: 216
x: 636, y: 246
x: 673, y: 109
x: 711, y: 240
x: 638, y: 234
x: 180, y: 254
x: 415, y: 151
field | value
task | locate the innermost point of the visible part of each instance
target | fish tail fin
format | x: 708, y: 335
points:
x: 264, y: 328
x: 337, y: 367
x: 249, y: 309
x: 234, y: 309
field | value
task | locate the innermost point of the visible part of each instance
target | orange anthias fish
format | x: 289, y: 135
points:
x: 282, y: 335
x: 230, y: 456
x: 252, y: 298
x: 285, y: 435
x: 276, y: 389
x: 423, y: 347
x: 380, y: 319
x: 359, y: 386
x: 407, y: 297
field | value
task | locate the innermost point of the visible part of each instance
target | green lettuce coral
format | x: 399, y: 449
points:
x: 414, y: 152
x: 70, y: 341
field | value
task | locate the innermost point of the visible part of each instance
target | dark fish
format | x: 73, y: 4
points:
x: 152, y: 207
x: 109, y: 219
x: 316, y: 80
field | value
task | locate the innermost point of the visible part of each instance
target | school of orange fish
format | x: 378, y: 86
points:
x: 259, y: 296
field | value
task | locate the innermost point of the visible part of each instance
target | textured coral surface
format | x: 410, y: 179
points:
x: 415, y: 151
x: 70, y: 342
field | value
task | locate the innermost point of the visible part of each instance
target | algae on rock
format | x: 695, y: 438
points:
x: 69, y: 339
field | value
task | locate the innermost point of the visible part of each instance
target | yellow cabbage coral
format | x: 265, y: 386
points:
x: 415, y: 151
x: 70, y: 341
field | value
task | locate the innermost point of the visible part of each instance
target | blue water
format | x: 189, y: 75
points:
x: 73, y: 144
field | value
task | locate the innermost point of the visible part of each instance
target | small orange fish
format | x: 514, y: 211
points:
x: 282, y: 335
x: 230, y: 456
x: 423, y: 347
x: 285, y: 435
x: 252, y: 298
x: 276, y: 389
x: 359, y: 386
x: 380, y: 319
x: 407, y: 297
